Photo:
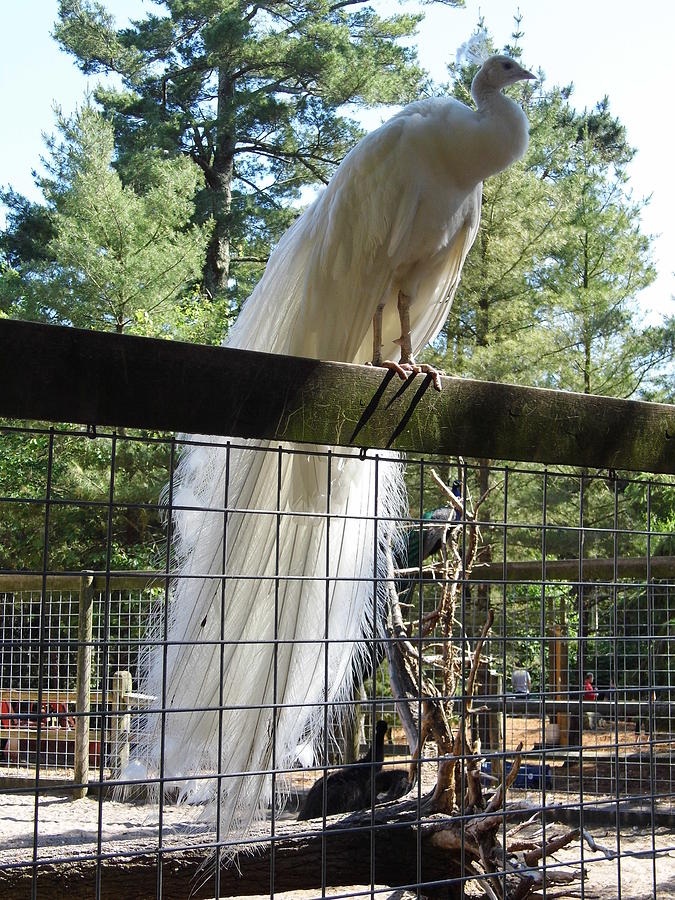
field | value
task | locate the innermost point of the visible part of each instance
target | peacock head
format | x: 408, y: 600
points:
x: 499, y: 71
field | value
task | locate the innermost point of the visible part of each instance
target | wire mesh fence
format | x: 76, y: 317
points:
x: 22, y: 616
x: 519, y: 649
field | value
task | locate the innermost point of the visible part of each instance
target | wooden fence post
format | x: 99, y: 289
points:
x: 83, y: 684
x: 496, y: 722
x: 122, y: 686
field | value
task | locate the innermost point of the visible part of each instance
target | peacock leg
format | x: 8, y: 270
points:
x: 377, y: 348
x: 407, y: 365
x: 377, y: 336
x: 405, y: 343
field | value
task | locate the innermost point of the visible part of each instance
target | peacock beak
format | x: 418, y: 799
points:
x: 526, y: 74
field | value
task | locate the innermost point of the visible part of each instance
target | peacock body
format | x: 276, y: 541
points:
x: 273, y: 602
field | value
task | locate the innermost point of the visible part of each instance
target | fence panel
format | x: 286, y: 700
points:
x: 517, y: 646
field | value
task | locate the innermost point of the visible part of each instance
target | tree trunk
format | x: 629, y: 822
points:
x: 348, y: 853
x: 219, y: 182
x: 482, y: 333
x: 217, y: 267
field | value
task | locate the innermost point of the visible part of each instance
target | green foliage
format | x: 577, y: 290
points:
x: 225, y: 115
x: 28, y: 233
x: 548, y: 298
x: 600, y: 262
x: 255, y: 95
x: 80, y: 492
x: 117, y: 257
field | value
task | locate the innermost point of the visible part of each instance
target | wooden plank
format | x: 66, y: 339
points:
x: 16, y: 695
x: 76, y: 376
x: 119, y: 581
x: 120, y: 725
x: 47, y: 733
x: 83, y: 684
x: 635, y: 567
x: 661, y: 567
x: 533, y: 706
x: 349, y: 852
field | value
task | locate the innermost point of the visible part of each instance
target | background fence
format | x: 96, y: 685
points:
x: 627, y: 644
x: 573, y: 570
x: 48, y: 649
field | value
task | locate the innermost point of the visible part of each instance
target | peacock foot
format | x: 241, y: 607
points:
x: 434, y: 373
x: 405, y: 370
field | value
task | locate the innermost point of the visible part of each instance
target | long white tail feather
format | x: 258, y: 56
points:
x: 263, y: 575
x: 276, y: 564
x: 262, y: 578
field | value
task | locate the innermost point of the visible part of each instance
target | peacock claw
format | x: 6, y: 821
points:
x: 405, y: 370
x: 401, y: 370
x: 423, y: 369
x: 435, y: 374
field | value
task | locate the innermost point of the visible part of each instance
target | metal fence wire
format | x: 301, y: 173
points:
x: 520, y: 653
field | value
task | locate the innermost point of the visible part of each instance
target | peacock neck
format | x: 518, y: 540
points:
x: 504, y: 130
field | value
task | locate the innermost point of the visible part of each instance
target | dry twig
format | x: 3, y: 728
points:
x: 505, y: 873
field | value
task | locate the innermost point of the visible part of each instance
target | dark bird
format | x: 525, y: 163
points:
x: 434, y: 534
x: 349, y: 788
x: 391, y: 784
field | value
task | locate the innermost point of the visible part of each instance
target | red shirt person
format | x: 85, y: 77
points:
x: 590, y: 692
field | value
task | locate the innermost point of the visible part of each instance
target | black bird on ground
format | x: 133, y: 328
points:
x: 391, y: 784
x: 347, y: 789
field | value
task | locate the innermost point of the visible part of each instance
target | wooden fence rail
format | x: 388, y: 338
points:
x: 590, y: 570
x: 70, y: 375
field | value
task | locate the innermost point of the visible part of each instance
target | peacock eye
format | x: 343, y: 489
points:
x: 508, y: 65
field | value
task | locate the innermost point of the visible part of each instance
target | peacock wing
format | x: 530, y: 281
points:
x: 398, y: 215
x: 349, y: 272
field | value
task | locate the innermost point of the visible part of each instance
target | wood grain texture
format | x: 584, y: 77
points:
x: 349, y: 852
x: 57, y: 374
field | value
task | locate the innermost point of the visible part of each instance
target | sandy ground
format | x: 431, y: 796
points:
x: 642, y: 864
x: 639, y: 864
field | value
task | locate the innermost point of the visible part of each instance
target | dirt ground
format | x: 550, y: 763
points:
x: 641, y: 863
x: 636, y: 864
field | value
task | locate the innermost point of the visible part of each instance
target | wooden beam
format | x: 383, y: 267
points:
x: 600, y: 569
x: 20, y: 695
x: 24, y: 582
x: 48, y: 733
x: 57, y: 374
x: 591, y: 570
x: 83, y: 684
x: 534, y: 706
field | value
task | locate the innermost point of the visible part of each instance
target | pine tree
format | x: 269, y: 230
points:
x: 593, y: 275
x: 254, y: 94
x: 116, y: 258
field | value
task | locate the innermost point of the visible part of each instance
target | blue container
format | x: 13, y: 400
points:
x: 529, y: 777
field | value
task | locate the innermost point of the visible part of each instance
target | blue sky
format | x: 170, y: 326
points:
x: 613, y: 47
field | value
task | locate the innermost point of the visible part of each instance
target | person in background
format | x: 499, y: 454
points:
x: 521, y: 681
x: 590, y: 692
